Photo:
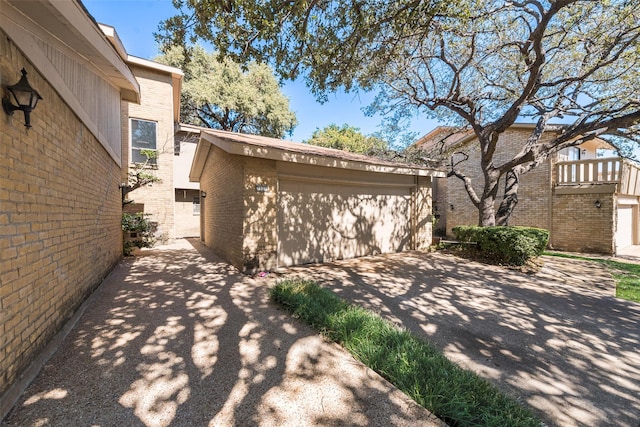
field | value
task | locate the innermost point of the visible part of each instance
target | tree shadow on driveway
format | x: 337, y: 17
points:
x: 177, y: 337
x: 572, y: 353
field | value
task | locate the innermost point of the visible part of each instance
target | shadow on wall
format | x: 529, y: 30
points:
x: 571, y: 353
x: 179, y: 338
x: 315, y: 226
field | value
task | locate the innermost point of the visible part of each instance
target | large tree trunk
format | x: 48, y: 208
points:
x: 486, y: 207
x: 510, y: 199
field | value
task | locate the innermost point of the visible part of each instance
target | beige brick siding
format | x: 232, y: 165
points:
x: 156, y: 105
x: 579, y: 226
x: 422, y: 212
x: 260, y: 239
x: 222, y: 208
x: 59, y: 219
x: 533, y: 208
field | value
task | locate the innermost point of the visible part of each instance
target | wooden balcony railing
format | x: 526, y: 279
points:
x: 612, y: 170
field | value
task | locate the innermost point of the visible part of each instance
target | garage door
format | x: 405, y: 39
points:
x: 321, y: 222
x: 624, y: 230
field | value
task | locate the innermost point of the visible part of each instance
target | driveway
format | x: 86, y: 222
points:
x: 179, y: 338
x: 558, y: 340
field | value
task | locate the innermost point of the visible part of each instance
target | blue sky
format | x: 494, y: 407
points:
x: 135, y: 22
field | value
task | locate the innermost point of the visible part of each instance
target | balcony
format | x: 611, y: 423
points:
x: 614, y: 170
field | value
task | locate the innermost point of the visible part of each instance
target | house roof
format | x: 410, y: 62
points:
x: 71, y: 26
x: 444, y: 139
x: 294, y: 152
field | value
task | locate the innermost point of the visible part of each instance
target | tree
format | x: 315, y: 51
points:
x: 474, y: 63
x: 347, y: 138
x: 221, y: 95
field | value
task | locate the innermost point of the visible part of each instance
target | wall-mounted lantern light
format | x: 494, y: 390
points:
x: 203, y: 194
x: 25, y: 96
x: 598, y: 204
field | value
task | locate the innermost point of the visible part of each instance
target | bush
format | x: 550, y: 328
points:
x: 505, y: 245
x: 137, y: 232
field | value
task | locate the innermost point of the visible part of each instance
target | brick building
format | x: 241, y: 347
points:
x: 268, y: 203
x: 60, y: 207
x: 589, y: 203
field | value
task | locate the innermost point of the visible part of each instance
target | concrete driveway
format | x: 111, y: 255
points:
x: 558, y: 340
x: 179, y: 338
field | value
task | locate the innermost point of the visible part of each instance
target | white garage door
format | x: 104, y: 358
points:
x: 321, y: 222
x: 624, y: 230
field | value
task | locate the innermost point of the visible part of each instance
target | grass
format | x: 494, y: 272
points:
x: 627, y: 275
x: 457, y: 396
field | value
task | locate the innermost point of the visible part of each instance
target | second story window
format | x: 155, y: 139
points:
x: 143, y: 141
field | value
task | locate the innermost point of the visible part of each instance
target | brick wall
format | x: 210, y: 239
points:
x: 533, y: 208
x: 423, y: 214
x: 260, y: 244
x: 156, y: 104
x: 579, y: 226
x: 59, y: 219
x: 222, y: 208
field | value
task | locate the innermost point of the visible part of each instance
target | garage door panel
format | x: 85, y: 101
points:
x: 321, y: 222
x: 624, y: 230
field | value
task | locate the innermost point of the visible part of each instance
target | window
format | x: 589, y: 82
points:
x: 569, y: 154
x: 196, y: 205
x: 143, y: 137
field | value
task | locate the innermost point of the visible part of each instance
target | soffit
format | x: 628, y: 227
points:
x: 67, y: 24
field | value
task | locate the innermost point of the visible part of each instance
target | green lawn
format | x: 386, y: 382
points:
x: 627, y: 275
x: 457, y: 396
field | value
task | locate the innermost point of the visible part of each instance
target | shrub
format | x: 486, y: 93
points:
x: 138, y: 232
x: 505, y: 245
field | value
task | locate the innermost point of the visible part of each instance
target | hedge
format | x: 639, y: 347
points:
x: 505, y: 245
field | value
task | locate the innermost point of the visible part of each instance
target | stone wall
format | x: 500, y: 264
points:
x: 60, y: 212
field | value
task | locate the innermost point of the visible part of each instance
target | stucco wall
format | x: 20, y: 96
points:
x: 187, y: 221
x: 533, y: 208
x: 156, y: 104
x: 59, y: 219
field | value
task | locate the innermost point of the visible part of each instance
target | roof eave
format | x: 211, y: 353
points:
x: 278, y: 154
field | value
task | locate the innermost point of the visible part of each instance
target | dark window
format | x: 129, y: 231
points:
x: 143, y: 141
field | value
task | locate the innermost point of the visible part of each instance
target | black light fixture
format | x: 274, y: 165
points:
x: 598, y: 204
x: 25, y: 96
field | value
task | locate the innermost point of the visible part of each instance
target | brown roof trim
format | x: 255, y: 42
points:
x: 295, y: 152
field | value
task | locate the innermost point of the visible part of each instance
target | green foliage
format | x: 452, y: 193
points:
x: 137, y: 232
x: 141, y: 174
x: 473, y: 63
x: 223, y: 95
x: 332, y: 43
x: 347, y: 138
x: 505, y: 245
x: 459, y: 397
